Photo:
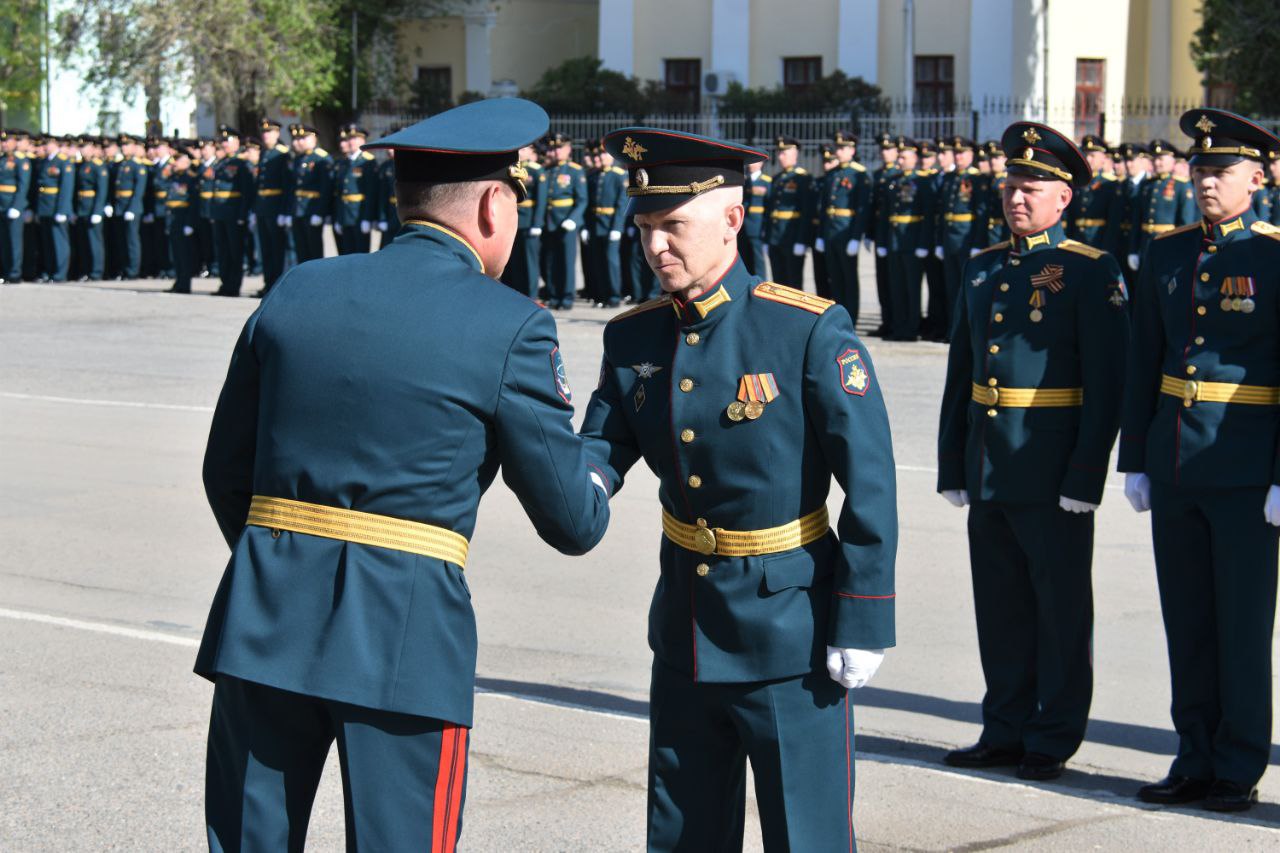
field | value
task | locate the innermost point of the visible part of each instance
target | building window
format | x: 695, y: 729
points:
x: 433, y: 89
x: 1090, y: 76
x: 1221, y: 96
x: 935, y: 97
x: 800, y: 72
x: 683, y: 79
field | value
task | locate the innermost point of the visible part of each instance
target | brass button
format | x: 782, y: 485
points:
x: 1199, y: 341
x: 686, y: 385
x: 1204, y: 276
x: 702, y: 570
x: 695, y: 482
x: 1004, y: 288
x: 991, y: 413
x: 1202, y: 310
x: 687, y: 435
x: 1191, y: 370
x: 993, y: 349
x: 992, y: 382
x: 692, y: 339
x: 275, y: 533
x: 999, y: 318
x: 1213, y: 249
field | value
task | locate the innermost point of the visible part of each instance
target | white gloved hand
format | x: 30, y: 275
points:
x: 819, y: 245
x: 569, y: 225
x: 59, y: 217
x: 956, y: 497
x: 1071, y: 505
x: 1137, y: 488
x: 108, y: 211
x: 615, y: 236
x: 365, y: 226
x: 337, y: 229
x: 95, y: 218
x: 129, y: 216
x: 798, y: 250
x: 535, y: 232
x: 1133, y: 262
x: 881, y: 252
x: 187, y: 230
x: 280, y: 220
x: 922, y: 253
x: 13, y: 213
x: 383, y: 225
x: 937, y: 252
x: 288, y: 221
x: 1271, y: 509
x: 148, y: 218
x: 851, y: 248
x: 316, y: 221
x: 584, y: 236
x: 973, y: 252
x: 853, y: 668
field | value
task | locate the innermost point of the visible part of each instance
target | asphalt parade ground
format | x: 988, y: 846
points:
x: 110, y: 557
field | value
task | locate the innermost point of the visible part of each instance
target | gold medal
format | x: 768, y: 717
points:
x: 754, y: 410
x: 1226, y: 304
x: 736, y: 411
x: 1236, y: 303
x: 1246, y: 305
x: 1036, y: 315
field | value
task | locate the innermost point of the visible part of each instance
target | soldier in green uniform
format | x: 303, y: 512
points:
x: 961, y: 213
x: 273, y: 202
x: 388, y: 216
x: 128, y: 194
x: 180, y: 205
x: 609, y: 215
x: 751, y: 245
x: 1094, y: 215
x: 55, y: 184
x: 1165, y: 202
x: 1198, y: 448
x: 312, y: 193
x: 1266, y: 201
x: 15, y: 185
x: 817, y: 190
x: 161, y: 157
x: 746, y: 397
x: 251, y: 155
x: 522, y: 270
x: 566, y: 209
x: 355, y: 192
x: 229, y: 212
x: 591, y: 169
x: 911, y: 235
x: 997, y: 228
x: 879, y: 228
x: 842, y: 221
x: 786, y: 215
x: 91, y: 199
x: 1030, y: 412
x: 1132, y: 161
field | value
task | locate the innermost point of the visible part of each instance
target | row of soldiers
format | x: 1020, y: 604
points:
x: 127, y: 207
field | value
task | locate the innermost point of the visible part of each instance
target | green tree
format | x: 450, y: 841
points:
x: 21, y: 52
x: 1238, y: 44
x: 834, y: 92
x: 584, y: 85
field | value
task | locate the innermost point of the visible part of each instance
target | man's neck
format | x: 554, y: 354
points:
x: 708, y: 281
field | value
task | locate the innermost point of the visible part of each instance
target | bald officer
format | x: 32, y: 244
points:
x: 343, y: 613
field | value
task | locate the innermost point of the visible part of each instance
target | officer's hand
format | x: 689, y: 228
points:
x: 365, y: 226
x: 148, y: 218
x: 280, y: 221
x: 881, y: 252
x: 569, y: 225
x: 1137, y: 488
x: 956, y: 497
x: 316, y: 221
x: 922, y: 253
x: 1272, y: 507
x: 937, y: 252
x: 108, y: 211
x: 615, y: 236
x: 535, y: 232
x: 129, y: 216
x: 240, y: 222
x: 13, y: 213
x: 798, y: 250
x: 95, y: 218
x: 851, y: 248
x: 383, y: 225
x: 187, y: 230
x: 1070, y: 505
x: 585, y: 236
x: 59, y: 217
x: 1133, y: 262
x: 819, y: 245
x: 853, y: 668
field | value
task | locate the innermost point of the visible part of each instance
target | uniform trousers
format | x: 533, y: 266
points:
x: 521, y: 274
x: 308, y: 239
x: 562, y: 267
x: 403, y: 777
x: 953, y: 270
x: 905, y: 271
x: 884, y: 293
x: 822, y: 276
x: 796, y: 732
x: 1216, y: 567
x: 1033, y: 598
x: 842, y: 270
x: 751, y: 249
x: 786, y: 266
x: 88, y: 240
x: 55, y: 248
x: 644, y: 284
x: 606, y: 260
x: 228, y: 236
x: 272, y: 242
x: 935, y: 275
x: 182, y: 249
x: 10, y: 247
x: 352, y: 240
x: 131, y: 240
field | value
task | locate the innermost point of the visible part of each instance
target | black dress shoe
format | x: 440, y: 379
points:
x: 1227, y: 796
x: 981, y: 755
x: 1038, y: 767
x: 1174, y: 790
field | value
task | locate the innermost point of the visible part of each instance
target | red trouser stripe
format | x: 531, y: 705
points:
x: 449, y: 776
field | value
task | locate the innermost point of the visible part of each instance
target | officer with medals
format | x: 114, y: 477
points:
x: 842, y: 221
x: 993, y: 191
x: 55, y: 185
x: 521, y: 273
x: 231, y: 185
x: 1201, y: 428
x: 608, y: 220
x: 961, y: 213
x: 15, y: 184
x: 786, y: 215
x: 751, y: 245
x: 343, y: 613
x: 127, y: 196
x: 312, y: 193
x: 1165, y: 201
x: 91, y: 199
x: 817, y: 191
x: 878, y: 228
x: 566, y: 210
x: 355, y: 191
x: 273, y: 202
x: 745, y: 397
x: 1030, y: 412
x: 1094, y: 214
x: 180, y: 206
x: 910, y: 217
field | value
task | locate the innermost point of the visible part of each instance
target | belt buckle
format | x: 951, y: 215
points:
x: 704, y: 539
x: 1190, y: 392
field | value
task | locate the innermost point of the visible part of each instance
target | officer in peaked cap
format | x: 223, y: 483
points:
x: 128, y: 194
x: 1030, y: 410
x: 273, y: 202
x: 842, y: 208
x: 1165, y: 201
x: 1094, y: 215
x: 312, y: 192
x: 15, y: 185
x: 355, y: 192
x: 960, y: 223
x: 566, y: 213
x: 997, y: 229
x: 232, y: 187
x: 343, y: 612
x: 1136, y: 162
x: 817, y: 190
x: 787, y: 222
x: 751, y: 245
x: 878, y: 226
x: 1200, y: 432
x: 911, y: 235
x: 732, y: 388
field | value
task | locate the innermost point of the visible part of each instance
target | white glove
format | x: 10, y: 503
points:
x: 59, y: 217
x: 615, y: 236
x: 316, y: 221
x: 819, y: 245
x: 108, y: 211
x: 1272, y: 507
x: 95, y: 218
x: 973, y: 252
x: 337, y: 229
x: 253, y: 220
x: 1133, y: 262
x: 922, y: 253
x: 851, y: 248
x: 280, y: 220
x: 937, y: 252
x: 881, y: 252
x: 13, y: 213
x: 187, y: 230
x: 148, y: 218
x: 1075, y: 506
x: 569, y: 225
x: 798, y: 250
x: 584, y: 236
x: 287, y: 221
x: 129, y: 216
x: 365, y: 226
x: 1137, y: 488
x: 853, y: 668
x: 535, y: 232
x: 956, y: 497
x: 383, y: 225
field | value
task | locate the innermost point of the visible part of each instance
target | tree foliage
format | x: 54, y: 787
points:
x: 1238, y: 44
x: 21, y: 49
x: 584, y: 85
x: 834, y: 92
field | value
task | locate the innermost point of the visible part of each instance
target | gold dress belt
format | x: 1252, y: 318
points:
x: 364, y: 528
x: 1192, y: 391
x: 785, y: 214
x: 353, y: 197
x: 1027, y: 398
x: 1156, y: 228
x: 307, y: 193
x: 561, y: 202
x: 746, y: 543
x: 1090, y: 223
x: 905, y: 220
x: 839, y: 211
x: 958, y: 217
x: 270, y: 192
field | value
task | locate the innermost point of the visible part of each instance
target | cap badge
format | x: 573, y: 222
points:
x: 633, y: 149
x: 1030, y: 136
x: 642, y: 178
x: 1204, y: 125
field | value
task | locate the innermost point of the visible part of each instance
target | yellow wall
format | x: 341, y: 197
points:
x: 1074, y: 34
x: 1186, y: 81
x: 670, y: 29
x: 531, y: 37
x: 434, y: 43
x: 942, y: 29
x: 787, y: 28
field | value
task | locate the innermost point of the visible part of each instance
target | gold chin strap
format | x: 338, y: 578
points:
x: 1043, y: 167
x: 695, y: 188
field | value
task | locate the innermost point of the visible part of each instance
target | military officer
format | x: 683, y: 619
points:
x: 250, y: 156
x: 751, y: 243
x: 566, y: 209
x: 355, y: 192
x: 843, y: 210
x: 592, y: 173
x: 232, y: 185
x: 180, y: 206
x: 786, y: 221
x: 91, y: 199
x: 911, y: 236
x: 605, y: 244
x: 1266, y: 201
x: 961, y: 211
x: 312, y: 194
x: 879, y: 227
x: 128, y: 195
x: 997, y: 228
x: 817, y: 191
x: 343, y: 613
x: 273, y: 202
x: 1165, y: 202
x: 388, y: 216
x: 1030, y: 412
x: 937, y: 160
x: 15, y: 185
x: 1198, y: 448
x: 1129, y: 189
x: 55, y: 186
x: 160, y: 155
x: 1094, y: 215
x: 745, y: 397
x: 521, y: 273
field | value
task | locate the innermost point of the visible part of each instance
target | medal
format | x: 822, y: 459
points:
x: 754, y: 409
x: 1246, y: 305
x: 1036, y: 315
x: 1236, y: 303
x: 754, y: 390
x: 1226, y: 303
x: 736, y: 411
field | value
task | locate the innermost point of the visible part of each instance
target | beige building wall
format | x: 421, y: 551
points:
x: 790, y: 28
x: 437, y: 43
x: 1074, y: 34
x: 670, y: 29
x: 531, y: 36
x: 1159, y: 50
x: 941, y: 28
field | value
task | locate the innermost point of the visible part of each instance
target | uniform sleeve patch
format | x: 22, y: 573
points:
x: 854, y: 377
x: 1117, y: 294
x: 561, y: 376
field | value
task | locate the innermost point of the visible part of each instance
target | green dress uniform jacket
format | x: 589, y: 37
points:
x: 522, y: 272
x: 842, y: 212
x: 788, y: 221
x: 997, y: 227
x: 355, y: 199
x: 232, y: 187
x: 55, y: 185
x: 274, y: 184
x: 960, y: 221
x: 15, y: 185
x: 751, y: 244
x: 458, y: 378
x: 313, y: 185
x: 1164, y: 202
x: 1095, y: 212
x: 566, y: 200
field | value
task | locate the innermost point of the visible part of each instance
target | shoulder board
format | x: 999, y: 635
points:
x: 799, y: 170
x: 1265, y: 228
x: 573, y: 165
x: 1081, y: 249
x: 1109, y: 176
x: 62, y: 156
x: 617, y: 171
x: 366, y: 155
x: 283, y: 149
x: 856, y: 166
x: 790, y: 296
x: 1003, y: 244
x: 97, y: 161
x: 972, y: 171
x: 319, y: 152
x: 768, y: 179
x: 1183, y: 230
x: 533, y: 167
x: 660, y: 302
x: 1181, y: 179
